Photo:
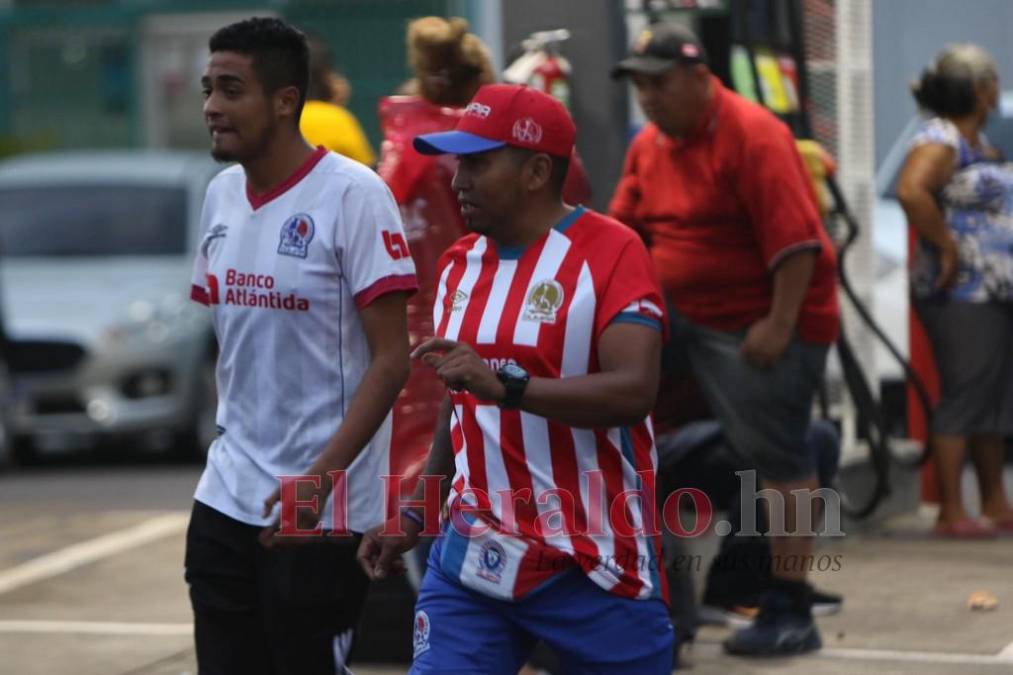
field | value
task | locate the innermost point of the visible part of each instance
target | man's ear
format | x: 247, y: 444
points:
x: 286, y: 101
x: 537, y: 172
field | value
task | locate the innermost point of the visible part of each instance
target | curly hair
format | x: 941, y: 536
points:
x: 279, y: 52
x: 448, y: 62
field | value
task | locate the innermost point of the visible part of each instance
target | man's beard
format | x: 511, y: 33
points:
x: 243, y: 155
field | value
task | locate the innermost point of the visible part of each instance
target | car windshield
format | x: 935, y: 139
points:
x: 92, y: 220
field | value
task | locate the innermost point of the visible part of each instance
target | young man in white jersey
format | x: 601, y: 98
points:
x: 548, y: 336
x: 305, y: 267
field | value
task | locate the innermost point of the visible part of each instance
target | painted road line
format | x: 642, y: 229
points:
x: 97, y: 628
x: 72, y: 557
x: 1001, y: 658
x: 917, y: 656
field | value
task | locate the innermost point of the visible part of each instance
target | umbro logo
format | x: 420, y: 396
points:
x: 216, y: 232
x: 456, y: 302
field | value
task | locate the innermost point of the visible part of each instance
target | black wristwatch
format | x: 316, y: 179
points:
x: 515, y: 380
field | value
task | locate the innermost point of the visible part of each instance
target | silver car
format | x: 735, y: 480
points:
x: 95, y: 277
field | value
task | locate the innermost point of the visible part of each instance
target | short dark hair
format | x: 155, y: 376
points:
x: 279, y: 51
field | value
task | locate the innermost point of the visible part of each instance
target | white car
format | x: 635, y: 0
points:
x: 97, y: 251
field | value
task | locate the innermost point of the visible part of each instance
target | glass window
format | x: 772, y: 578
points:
x: 92, y: 220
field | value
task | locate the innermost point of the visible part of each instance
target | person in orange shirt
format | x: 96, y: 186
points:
x: 715, y: 185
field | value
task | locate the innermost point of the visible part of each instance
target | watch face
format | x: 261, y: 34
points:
x: 513, y: 371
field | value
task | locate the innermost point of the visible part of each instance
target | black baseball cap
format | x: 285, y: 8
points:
x: 658, y: 48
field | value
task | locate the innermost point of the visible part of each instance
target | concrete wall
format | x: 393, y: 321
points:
x: 906, y: 36
x: 598, y: 39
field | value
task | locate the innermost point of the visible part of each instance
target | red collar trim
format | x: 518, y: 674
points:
x: 256, y: 201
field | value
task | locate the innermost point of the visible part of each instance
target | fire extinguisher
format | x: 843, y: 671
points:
x: 541, y: 66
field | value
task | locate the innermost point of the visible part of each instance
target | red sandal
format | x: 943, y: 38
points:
x: 966, y: 528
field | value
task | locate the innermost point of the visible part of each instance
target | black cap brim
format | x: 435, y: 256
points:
x: 642, y: 64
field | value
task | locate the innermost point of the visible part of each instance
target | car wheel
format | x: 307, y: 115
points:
x: 23, y: 452
x: 6, y: 445
x: 9, y: 448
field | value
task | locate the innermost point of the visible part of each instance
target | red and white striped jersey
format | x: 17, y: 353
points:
x: 550, y: 492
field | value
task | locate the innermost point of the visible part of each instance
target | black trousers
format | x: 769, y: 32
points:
x: 278, y: 611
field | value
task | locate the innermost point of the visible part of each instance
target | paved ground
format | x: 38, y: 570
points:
x: 91, y: 584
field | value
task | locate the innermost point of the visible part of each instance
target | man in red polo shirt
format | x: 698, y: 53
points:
x: 716, y: 187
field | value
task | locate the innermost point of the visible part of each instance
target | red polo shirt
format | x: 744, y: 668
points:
x: 720, y: 209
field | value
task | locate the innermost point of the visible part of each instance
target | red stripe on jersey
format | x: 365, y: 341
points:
x: 457, y: 442
x: 565, y: 474
x: 538, y: 564
x: 518, y: 289
x: 475, y: 447
x: 391, y: 284
x: 625, y: 547
x: 643, y: 443
x: 199, y: 294
x: 511, y: 441
x: 479, y: 297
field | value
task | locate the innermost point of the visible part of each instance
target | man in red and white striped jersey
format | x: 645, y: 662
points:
x: 548, y: 335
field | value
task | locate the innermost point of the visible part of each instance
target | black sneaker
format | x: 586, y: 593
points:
x: 783, y: 627
x: 825, y: 604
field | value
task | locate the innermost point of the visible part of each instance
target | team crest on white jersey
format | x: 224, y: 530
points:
x: 491, y: 562
x: 296, y: 235
x: 544, y: 301
x: 420, y: 640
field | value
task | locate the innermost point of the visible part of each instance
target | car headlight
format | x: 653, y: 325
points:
x: 155, y: 322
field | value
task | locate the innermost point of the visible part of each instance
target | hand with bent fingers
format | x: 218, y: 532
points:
x: 460, y: 368
x: 765, y: 342
x: 306, y: 518
x: 949, y: 265
x: 380, y: 553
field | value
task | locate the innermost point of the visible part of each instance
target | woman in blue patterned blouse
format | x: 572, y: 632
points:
x: 958, y: 197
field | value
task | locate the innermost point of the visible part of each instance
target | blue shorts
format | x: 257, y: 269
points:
x: 457, y: 630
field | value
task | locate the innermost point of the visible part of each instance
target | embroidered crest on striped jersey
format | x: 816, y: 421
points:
x: 420, y: 641
x: 296, y: 235
x: 491, y: 562
x: 544, y: 301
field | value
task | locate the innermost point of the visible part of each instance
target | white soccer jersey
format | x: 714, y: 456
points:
x: 285, y: 274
